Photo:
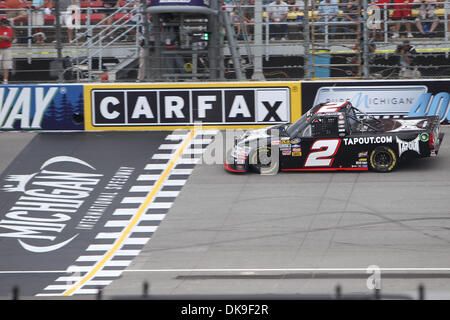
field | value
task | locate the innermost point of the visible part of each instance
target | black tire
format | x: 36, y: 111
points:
x: 383, y: 159
x: 256, y: 165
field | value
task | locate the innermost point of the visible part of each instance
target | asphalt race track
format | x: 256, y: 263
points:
x: 221, y: 233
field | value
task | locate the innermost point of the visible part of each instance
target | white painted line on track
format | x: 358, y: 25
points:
x: 156, y: 166
x: 141, y: 188
x: 174, y: 182
x: 89, y: 258
x: 137, y: 200
x: 108, y: 235
x: 146, y: 228
x: 120, y: 212
x: 160, y: 205
x: 291, y: 270
x: 148, y: 177
x: 117, y: 223
x: 169, y: 146
x: 233, y: 270
x: 117, y: 263
x: 152, y: 217
x: 162, y: 156
x: 127, y: 252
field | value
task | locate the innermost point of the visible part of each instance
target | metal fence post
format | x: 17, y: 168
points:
x: 59, y: 47
x: 99, y: 294
x: 377, y: 294
x: 146, y: 34
x: 421, y: 292
x: 366, y: 43
x: 306, y: 41
x: 15, y: 293
x: 338, y: 292
x: 145, y: 288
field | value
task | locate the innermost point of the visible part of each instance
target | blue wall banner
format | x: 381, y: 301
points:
x: 41, y: 107
x: 388, y: 98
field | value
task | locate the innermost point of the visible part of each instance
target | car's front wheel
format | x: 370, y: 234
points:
x: 261, y: 161
x: 383, y: 159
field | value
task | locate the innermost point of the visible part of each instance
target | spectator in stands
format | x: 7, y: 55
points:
x: 277, y: 12
x: 5, y: 51
x: 328, y: 12
x: 351, y: 13
x: 174, y: 63
x: 406, y: 53
x: 109, y: 6
x: 447, y: 12
x: 236, y: 22
x: 426, y: 13
x: 12, y: 6
x: 129, y: 4
x: 38, y: 9
x: 249, y: 16
x: 66, y: 16
x: 402, y: 13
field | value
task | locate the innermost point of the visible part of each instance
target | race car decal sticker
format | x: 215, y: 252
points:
x: 404, y: 146
x: 322, y: 153
x: 367, y: 140
x: 329, y: 108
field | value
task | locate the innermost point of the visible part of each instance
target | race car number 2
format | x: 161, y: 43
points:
x: 322, y: 153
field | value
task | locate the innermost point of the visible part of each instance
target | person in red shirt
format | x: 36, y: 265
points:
x: 402, y: 12
x: 6, y: 34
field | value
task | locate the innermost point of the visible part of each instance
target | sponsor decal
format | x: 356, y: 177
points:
x: 50, y: 199
x: 218, y: 106
x: 296, y: 153
x: 285, y: 141
x: 41, y: 107
x: 286, y: 153
x: 367, y: 140
x: 424, y: 137
x: 296, y: 145
x: 407, y: 124
x: 363, y: 154
x: 297, y: 149
x: 404, y: 146
x: 295, y: 140
x: 374, y: 99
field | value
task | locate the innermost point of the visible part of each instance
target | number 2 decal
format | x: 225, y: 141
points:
x: 322, y: 153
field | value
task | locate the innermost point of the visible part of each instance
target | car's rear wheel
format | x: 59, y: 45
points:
x: 261, y: 161
x: 383, y: 159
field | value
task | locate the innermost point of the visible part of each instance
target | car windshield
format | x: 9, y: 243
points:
x: 298, y: 125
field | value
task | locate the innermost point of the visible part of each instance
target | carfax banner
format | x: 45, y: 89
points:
x: 392, y: 98
x: 143, y: 107
x: 41, y: 107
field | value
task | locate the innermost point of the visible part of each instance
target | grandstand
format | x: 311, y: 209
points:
x: 225, y: 44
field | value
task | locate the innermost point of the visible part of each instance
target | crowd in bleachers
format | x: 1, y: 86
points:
x: 339, y: 18
x: 334, y: 18
x: 40, y: 15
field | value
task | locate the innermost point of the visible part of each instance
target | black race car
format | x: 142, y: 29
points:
x: 332, y: 137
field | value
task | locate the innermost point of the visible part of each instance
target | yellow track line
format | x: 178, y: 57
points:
x: 134, y: 221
